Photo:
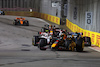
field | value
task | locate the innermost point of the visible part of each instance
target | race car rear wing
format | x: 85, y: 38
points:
x: 21, y: 18
x: 72, y: 33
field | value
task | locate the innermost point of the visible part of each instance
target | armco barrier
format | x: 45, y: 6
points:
x: 95, y: 37
x: 48, y: 17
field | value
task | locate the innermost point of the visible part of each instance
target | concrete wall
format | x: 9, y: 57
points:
x: 46, y: 7
x: 84, y: 6
x: 0, y: 4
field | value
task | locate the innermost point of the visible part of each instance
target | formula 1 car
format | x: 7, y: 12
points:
x: 59, y: 32
x: 2, y: 12
x: 69, y: 43
x: 45, y: 33
x: 65, y: 43
x: 42, y: 40
x: 21, y: 21
x: 52, y: 30
x: 48, y: 35
x: 47, y: 27
x: 87, y: 41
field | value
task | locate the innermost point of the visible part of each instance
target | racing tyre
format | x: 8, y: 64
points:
x: 79, y: 45
x: 87, y: 40
x: 42, y: 44
x: 35, y: 39
x: 67, y: 44
x: 27, y: 24
x: 18, y: 23
x: 3, y: 13
x: 15, y: 23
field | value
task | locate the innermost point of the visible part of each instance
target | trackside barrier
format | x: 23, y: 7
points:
x: 48, y: 17
x: 51, y: 18
x: 95, y: 37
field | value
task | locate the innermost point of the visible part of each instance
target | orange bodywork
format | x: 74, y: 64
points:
x: 21, y: 20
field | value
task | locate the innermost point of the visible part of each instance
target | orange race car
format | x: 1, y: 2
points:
x: 21, y: 21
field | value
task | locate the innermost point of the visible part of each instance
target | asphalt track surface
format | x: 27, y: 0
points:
x: 16, y: 48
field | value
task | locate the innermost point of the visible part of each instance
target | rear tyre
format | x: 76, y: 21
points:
x: 3, y: 13
x: 79, y: 45
x: 27, y: 24
x: 87, y: 40
x: 42, y: 44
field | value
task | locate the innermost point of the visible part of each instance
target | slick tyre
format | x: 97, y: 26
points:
x: 42, y: 44
x: 79, y: 45
x: 14, y: 23
x: 27, y: 24
x: 88, y: 40
x: 35, y: 40
x: 67, y: 44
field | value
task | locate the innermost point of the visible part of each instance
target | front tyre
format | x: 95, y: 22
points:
x: 35, y: 39
x: 14, y: 23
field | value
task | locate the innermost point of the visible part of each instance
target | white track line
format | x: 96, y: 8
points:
x: 94, y: 49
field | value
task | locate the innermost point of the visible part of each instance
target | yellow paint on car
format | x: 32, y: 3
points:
x: 53, y: 45
x: 83, y: 44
